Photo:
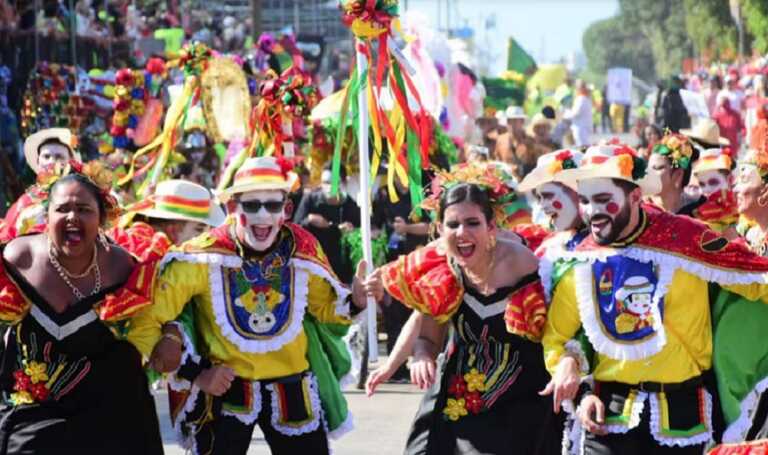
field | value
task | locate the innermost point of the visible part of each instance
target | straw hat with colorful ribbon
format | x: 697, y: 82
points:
x: 262, y: 173
x: 549, y: 168
x: 180, y: 200
x: 706, y: 132
x: 615, y: 161
x: 713, y: 160
x: 61, y: 135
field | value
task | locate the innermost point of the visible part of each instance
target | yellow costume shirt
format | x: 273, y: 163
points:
x: 688, y: 349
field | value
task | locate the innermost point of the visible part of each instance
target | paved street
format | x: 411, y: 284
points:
x: 381, y: 423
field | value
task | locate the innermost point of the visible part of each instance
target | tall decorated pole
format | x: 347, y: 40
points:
x: 405, y: 130
x: 365, y: 199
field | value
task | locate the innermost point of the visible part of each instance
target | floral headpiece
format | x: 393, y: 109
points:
x: 491, y: 177
x: 368, y: 18
x: 95, y: 172
x: 677, y: 148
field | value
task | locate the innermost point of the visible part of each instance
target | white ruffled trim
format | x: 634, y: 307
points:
x: 553, y: 249
x: 574, y: 347
x: 573, y: 434
x: 356, y: 360
x: 680, y: 442
x: 299, y: 304
x: 590, y: 318
x: 314, y: 400
x: 704, y: 271
x: 737, y: 431
x: 187, y: 443
x: 251, y: 417
x: 342, y: 307
x: 174, y: 381
x: 634, y: 416
x: 226, y: 260
x: 347, y: 426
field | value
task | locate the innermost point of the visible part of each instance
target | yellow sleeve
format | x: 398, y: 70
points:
x: 754, y: 291
x: 322, y: 302
x: 562, y: 321
x: 177, y: 285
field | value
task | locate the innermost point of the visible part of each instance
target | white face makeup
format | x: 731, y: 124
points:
x: 711, y: 182
x: 749, y: 186
x: 52, y: 153
x: 558, y: 205
x: 257, y: 225
x: 604, y: 208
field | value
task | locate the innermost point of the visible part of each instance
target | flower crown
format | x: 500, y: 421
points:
x: 490, y: 177
x: 563, y: 160
x: 677, y: 148
x: 94, y: 171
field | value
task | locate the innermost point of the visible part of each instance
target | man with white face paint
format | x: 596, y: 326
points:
x: 270, y: 314
x: 719, y: 210
x: 652, y: 364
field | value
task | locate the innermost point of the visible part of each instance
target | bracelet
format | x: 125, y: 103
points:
x: 173, y: 337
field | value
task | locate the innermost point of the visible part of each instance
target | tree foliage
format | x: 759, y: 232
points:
x: 755, y: 14
x: 614, y: 42
x: 711, y: 28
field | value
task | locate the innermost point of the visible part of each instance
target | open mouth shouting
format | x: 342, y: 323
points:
x: 261, y: 232
x: 465, y: 249
x: 599, y: 224
x: 73, y: 235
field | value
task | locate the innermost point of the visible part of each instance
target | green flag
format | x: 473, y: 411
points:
x: 519, y: 60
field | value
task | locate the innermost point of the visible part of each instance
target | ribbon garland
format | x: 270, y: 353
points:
x: 406, y: 132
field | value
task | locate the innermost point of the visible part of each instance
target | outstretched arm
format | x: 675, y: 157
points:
x: 399, y: 355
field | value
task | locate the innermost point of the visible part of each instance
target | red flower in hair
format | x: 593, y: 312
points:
x: 564, y: 155
x: 286, y: 165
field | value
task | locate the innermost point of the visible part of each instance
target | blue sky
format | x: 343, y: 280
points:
x: 547, y: 29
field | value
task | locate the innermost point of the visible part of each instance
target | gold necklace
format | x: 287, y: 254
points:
x: 65, y: 277
x: 91, y: 266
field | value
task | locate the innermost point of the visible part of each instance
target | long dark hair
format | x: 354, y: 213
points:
x: 466, y: 192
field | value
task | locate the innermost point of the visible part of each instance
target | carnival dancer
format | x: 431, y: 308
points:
x: 671, y: 158
x: 70, y: 383
x: 42, y: 150
x: 486, y: 394
x: 641, y: 293
x: 177, y: 211
x: 269, y: 313
x: 713, y: 173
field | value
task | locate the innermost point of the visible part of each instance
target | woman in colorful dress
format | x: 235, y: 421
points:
x: 69, y: 384
x: 488, y: 387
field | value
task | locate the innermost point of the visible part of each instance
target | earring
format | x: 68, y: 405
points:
x: 491, y: 243
x: 762, y: 200
x: 103, y: 240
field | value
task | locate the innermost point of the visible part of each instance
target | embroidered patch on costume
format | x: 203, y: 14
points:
x: 625, y: 299
x: 295, y: 406
x: 259, y: 303
x: 243, y: 401
x: 712, y: 242
x: 688, y: 422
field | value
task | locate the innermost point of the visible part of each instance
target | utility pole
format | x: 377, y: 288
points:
x: 256, y: 19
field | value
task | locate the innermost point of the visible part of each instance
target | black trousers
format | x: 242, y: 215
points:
x: 637, y: 441
x: 227, y: 435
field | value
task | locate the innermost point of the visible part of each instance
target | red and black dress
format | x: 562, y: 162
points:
x: 485, y: 399
x: 68, y: 382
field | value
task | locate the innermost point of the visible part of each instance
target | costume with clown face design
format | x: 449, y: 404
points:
x: 652, y: 362
x: 266, y: 304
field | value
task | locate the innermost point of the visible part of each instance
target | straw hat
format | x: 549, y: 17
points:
x: 707, y: 132
x: 514, y: 112
x: 262, y: 173
x: 614, y: 161
x: 550, y: 167
x: 537, y: 120
x: 184, y: 201
x: 713, y: 160
x: 33, y: 142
